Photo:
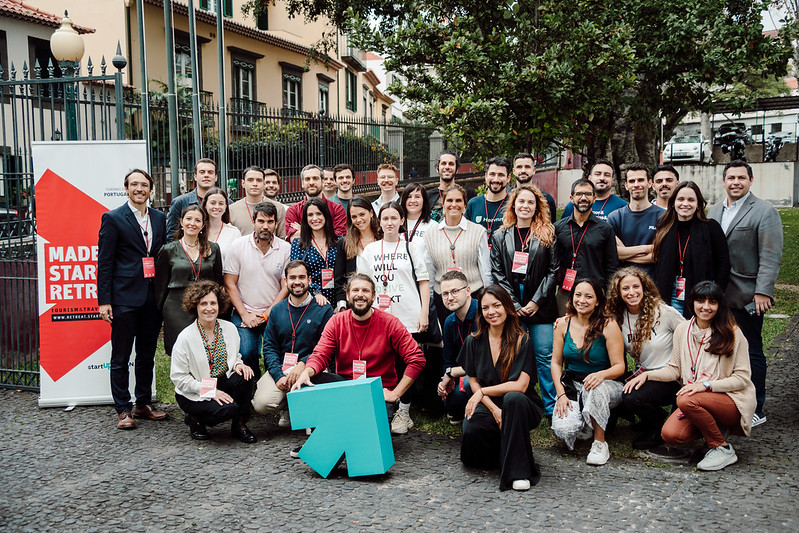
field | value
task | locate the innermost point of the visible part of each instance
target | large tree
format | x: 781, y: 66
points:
x: 595, y: 76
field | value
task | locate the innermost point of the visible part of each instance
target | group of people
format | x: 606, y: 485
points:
x: 471, y: 300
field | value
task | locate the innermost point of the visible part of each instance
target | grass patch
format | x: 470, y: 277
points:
x: 165, y: 390
x: 789, y: 270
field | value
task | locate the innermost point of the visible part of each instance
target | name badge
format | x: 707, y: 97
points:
x: 383, y: 302
x: 568, y: 280
x: 208, y: 388
x: 520, y: 262
x: 458, y: 269
x: 289, y: 361
x: 679, y: 285
x: 148, y: 264
x: 327, y: 278
x: 461, y: 384
x: 358, y: 369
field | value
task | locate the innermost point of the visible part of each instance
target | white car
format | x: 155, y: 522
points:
x: 691, y: 148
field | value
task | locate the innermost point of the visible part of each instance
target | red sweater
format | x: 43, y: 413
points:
x: 294, y: 214
x: 382, y: 339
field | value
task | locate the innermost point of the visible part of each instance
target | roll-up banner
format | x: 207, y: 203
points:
x: 75, y: 183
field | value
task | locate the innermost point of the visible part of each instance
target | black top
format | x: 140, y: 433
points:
x: 597, y: 257
x: 475, y: 358
x: 342, y: 268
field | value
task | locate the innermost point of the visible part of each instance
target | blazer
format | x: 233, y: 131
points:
x: 539, y: 282
x: 121, y: 247
x: 755, y: 241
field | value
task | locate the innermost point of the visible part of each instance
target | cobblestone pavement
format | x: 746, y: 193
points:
x: 73, y: 471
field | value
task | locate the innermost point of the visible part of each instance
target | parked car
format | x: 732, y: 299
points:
x: 690, y: 148
x: 14, y: 225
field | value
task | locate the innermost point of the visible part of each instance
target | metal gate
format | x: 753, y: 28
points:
x: 40, y: 104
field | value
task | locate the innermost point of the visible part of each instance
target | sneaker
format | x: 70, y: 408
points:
x: 401, y: 423
x: 285, y: 420
x: 599, y: 453
x: 295, y: 453
x: 453, y: 421
x: 717, y: 458
x: 758, y: 419
x: 648, y: 440
x: 521, y: 484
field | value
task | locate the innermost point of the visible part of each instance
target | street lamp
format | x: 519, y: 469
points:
x: 67, y: 47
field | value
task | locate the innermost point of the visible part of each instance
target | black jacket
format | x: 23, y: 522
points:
x: 540, y: 280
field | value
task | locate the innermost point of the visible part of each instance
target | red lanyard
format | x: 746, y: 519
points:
x: 468, y: 329
x: 681, y: 250
x: 575, y: 250
x: 485, y: 203
x: 525, y: 244
x: 293, y: 327
x: 144, y: 231
x: 359, y: 342
x: 413, y: 232
x: 694, y: 362
x: 209, y: 352
x: 248, y: 208
x: 220, y: 232
x: 195, y: 273
x: 318, y: 249
x: 383, y: 262
x: 452, y: 243
x: 604, y: 204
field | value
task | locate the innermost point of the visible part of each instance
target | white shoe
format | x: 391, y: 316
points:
x: 521, y: 484
x: 758, y: 419
x: 718, y: 458
x: 285, y: 420
x: 599, y: 453
x: 401, y: 422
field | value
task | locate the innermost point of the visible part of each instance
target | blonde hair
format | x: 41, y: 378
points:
x: 542, y: 228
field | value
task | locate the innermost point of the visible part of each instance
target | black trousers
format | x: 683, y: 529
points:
x: 647, y: 402
x: 752, y: 328
x: 140, y: 326
x: 211, y: 413
x: 484, y: 445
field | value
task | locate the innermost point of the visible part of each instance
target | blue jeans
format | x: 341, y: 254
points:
x: 541, y: 335
x: 250, y: 348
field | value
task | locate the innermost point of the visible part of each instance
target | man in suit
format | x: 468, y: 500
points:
x: 130, y: 238
x: 754, y: 234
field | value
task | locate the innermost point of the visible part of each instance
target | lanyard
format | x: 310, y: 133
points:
x: 144, y: 231
x: 575, y: 250
x: 681, y: 250
x: 413, y: 232
x: 383, y: 262
x: 525, y: 244
x: 209, y: 352
x: 601, y: 209
x: 318, y: 249
x: 293, y: 327
x: 694, y: 362
x: 452, y: 243
x: 630, y: 337
x: 485, y: 203
x: 359, y: 342
x: 468, y: 325
x: 195, y: 273
x: 220, y: 232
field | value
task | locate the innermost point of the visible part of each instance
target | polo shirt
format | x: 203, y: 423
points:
x: 259, y: 274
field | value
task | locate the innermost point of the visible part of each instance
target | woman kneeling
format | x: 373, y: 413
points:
x: 504, y: 407
x: 590, y: 344
x: 711, y: 360
x: 211, y: 383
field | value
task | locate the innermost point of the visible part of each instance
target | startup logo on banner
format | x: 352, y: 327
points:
x: 71, y: 281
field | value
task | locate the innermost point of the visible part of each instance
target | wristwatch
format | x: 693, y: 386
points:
x: 707, y: 386
x: 448, y: 372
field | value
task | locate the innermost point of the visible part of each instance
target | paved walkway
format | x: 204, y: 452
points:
x: 72, y: 471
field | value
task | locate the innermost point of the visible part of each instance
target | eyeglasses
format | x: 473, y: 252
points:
x: 453, y: 293
x: 579, y: 194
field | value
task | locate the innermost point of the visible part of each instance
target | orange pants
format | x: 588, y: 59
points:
x: 701, y: 414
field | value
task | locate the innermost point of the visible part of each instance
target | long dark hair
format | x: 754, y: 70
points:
x: 667, y: 219
x: 217, y: 190
x: 648, y: 315
x: 722, y: 325
x: 306, y: 233
x: 417, y: 187
x: 202, y: 237
x: 353, y: 236
x: 598, y: 319
x: 512, y: 332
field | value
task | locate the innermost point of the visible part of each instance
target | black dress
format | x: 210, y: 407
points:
x: 484, y: 445
x: 173, y: 273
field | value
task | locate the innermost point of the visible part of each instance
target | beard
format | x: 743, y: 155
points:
x: 298, y: 292
x: 360, y: 311
x: 583, y: 208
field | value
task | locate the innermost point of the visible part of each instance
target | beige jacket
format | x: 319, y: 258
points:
x: 730, y: 375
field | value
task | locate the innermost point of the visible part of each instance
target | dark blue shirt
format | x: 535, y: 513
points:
x: 601, y: 208
x: 487, y: 214
x: 635, y: 228
x: 455, y: 333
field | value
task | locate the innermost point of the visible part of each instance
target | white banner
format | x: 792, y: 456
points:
x: 75, y: 183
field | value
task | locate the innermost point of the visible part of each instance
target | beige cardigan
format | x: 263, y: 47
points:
x: 734, y: 372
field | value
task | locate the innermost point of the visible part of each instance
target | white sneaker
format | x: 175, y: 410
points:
x: 758, y: 419
x: 401, y: 422
x: 717, y: 458
x: 285, y: 420
x: 521, y: 484
x: 599, y: 453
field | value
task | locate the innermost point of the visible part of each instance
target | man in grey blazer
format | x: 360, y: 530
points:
x: 754, y: 234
